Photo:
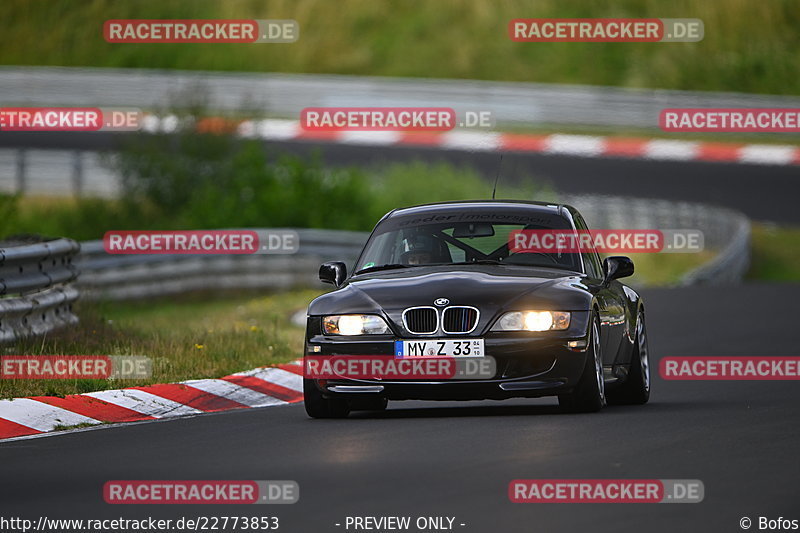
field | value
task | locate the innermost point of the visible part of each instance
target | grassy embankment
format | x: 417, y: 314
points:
x: 748, y: 46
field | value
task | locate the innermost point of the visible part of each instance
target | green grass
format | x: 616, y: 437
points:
x: 255, y: 193
x: 61, y: 427
x: 189, y: 337
x: 664, y: 269
x: 775, y: 256
x: 749, y: 46
x: 775, y: 253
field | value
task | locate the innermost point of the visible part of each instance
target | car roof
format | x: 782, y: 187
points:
x: 438, y: 207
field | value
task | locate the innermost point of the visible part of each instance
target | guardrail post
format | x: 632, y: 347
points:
x: 77, y: 173
x: 21, y: 170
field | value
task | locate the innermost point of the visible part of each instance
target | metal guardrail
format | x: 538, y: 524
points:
x: 731, y: 264
x: 123, y: 277
x: 285, y: 95
x: 36, y: 293
x: 724, y: 230
x: 118, y: 277
x: 57, y: 172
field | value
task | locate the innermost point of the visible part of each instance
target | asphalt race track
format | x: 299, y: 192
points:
x: 740, y: 438
x: 759, y: 191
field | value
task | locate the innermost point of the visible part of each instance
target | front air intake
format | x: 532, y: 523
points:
x: 459, y: 319
x: 421, y: 320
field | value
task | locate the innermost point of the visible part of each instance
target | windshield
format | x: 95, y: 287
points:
x: 410, y: 241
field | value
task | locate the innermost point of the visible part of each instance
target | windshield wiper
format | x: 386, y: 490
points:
x: 389, y: 266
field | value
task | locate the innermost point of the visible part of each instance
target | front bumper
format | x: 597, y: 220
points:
x: 526, y: 366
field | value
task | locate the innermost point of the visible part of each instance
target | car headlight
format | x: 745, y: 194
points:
x: 533, y: 321
x: 354, y: 325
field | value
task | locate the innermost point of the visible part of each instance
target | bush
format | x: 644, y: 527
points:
x: 202, y: 180
x: 192, y: 180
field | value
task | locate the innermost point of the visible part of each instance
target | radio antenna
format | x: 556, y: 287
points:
x: 499, y: 166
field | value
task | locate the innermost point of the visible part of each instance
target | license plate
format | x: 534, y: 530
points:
x: 439, y: 348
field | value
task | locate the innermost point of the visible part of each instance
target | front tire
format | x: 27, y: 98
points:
x: 636, y: 389
x: 317, y: 406
x: 589, y: 395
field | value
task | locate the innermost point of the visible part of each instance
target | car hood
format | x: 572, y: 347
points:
x: 490, y: 288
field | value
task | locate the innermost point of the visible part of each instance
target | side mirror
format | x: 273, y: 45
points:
x: 333, y: 272
x: 617, y: 267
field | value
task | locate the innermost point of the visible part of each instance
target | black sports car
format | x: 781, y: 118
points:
x: 443, y: 280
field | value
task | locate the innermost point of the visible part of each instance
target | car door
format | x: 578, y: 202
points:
x: 610, y: 299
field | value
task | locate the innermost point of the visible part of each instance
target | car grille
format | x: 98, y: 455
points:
x: 459, y: 319
x: 421, y: 320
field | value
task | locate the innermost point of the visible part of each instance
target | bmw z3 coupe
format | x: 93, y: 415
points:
x: 446, y: 281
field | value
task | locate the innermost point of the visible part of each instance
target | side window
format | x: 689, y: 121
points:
x: 591, y: 258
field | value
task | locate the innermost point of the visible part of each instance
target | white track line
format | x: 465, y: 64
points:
x: 763, y: 153
x: 278, y: 376
x: 40, y: 416
x: 276, y: 129
x: 234, y: 392
x: 471, y: 140
x: 583, y: 145
x: 144, y: 402
x: 377, y: 138
x: 672, y: 150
